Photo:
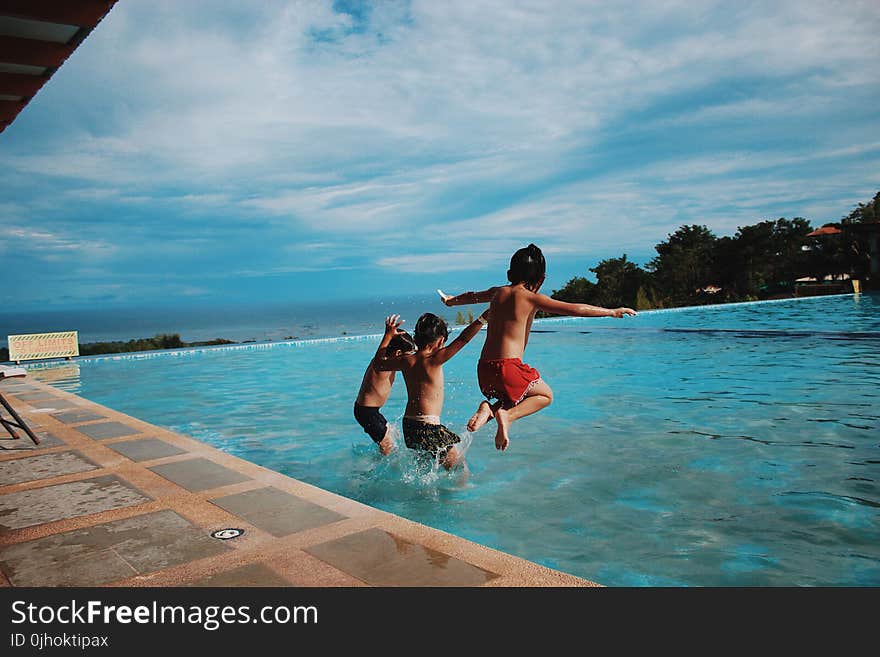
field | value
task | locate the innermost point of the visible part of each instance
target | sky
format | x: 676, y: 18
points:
x: 218, y: 151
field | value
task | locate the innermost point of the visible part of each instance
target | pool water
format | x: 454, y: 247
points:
x: 732, y: 445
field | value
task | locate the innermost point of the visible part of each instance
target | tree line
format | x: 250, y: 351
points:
x: 693, y: 266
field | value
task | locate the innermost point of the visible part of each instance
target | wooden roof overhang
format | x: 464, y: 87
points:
x: 36, y: 38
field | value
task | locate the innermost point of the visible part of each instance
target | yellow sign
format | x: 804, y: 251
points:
x: 43, y: 345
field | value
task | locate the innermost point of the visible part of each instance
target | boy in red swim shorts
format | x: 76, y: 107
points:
x: 517, y: 388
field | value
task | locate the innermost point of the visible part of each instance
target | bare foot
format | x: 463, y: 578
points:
x: 502, y: 440
x: 386, y: 446
x: 483, y: 415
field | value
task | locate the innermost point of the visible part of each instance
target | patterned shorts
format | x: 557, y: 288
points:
x: 434, y: 438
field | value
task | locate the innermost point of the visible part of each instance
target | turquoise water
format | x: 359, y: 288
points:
x: 716, y: 446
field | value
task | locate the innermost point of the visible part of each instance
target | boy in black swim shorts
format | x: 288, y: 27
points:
x: 423, y: 374
x: 376, y: 385
x: 425, y: 433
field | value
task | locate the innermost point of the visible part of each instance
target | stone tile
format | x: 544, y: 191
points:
x: 164, y: 539
x: 277, y: 512
x: 35, y: 564
x: 102, y: 430
x: 198, y: 474
x: 23, y: 443
x: 255, y: 574
x: 16, y: 385
x: 47, y: 440
x: 77, y: 498
x: 383, y: 559
x: 38, y: 396
x: 146, y: 449
x: 74, y: 417
x: 43, y: 466
x: 56, y: 403
x: 31, y: 419
x: 7, y: 433
x: 429, y: 568
x: 108, y: 552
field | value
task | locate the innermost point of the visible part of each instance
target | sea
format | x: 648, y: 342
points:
x: 254, y: 322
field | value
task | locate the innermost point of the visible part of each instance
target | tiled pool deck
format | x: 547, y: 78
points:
x: 109, y: 500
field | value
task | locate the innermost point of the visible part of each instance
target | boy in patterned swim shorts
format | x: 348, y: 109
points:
x: 376, y: 385
x: 423, y: 374
x: 517, y: 388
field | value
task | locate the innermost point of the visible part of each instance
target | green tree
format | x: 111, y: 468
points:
x: 461, y: 318
x: 856, y: 244
x: 577, y: 290
x: 618, y: 282
x: 644, y: 299
x: 728, y: 269
x: 684, y: 265
x: 762, y: 259
x: 827, y: 255
x: 790, y: 258
x: 162, y: 341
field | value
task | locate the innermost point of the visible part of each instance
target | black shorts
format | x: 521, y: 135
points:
x: 434, y: 438
x: 373, y: 422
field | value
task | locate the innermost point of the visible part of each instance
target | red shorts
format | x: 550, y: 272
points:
x: 506, y: 379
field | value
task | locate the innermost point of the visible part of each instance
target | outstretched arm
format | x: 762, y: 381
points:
x: 556, y: 307
x: 467, y: 298
x: 392, y: 328
x: 463, y: 338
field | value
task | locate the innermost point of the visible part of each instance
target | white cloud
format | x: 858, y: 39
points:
x: 457, y: 78
x: 436, y: 262
x: 51, y: 245
x: 460, y: 126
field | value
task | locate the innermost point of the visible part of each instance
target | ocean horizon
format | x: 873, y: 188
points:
x: 239, y: 322
x: 264, y: 321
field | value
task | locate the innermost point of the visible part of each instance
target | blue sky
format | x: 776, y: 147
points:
x: 196, y: 152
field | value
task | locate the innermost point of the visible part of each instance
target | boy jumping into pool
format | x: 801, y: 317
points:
x: 376, y: 385
x: 423, y: 374
x: 517, y: 388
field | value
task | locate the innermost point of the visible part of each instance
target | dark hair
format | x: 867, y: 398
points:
x: 527, y: 266
x: 429, y: 328
x: 401, y: 342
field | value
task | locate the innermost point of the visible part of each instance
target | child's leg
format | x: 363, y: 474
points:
x: 453, y: 458
x: 538, y: 396
x: 483, y: 414
x: 386, y: 445
x: 454, y: 462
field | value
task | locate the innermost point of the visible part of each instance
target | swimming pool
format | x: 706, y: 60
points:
x: 727, y: 445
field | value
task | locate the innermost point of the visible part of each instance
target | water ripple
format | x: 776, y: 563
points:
x: 848, y: 499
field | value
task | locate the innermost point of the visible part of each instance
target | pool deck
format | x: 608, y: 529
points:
x: 109, y: 500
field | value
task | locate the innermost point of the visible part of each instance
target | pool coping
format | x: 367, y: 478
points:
x: 295, y: 534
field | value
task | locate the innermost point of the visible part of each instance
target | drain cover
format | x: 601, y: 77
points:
x: 226, y: 534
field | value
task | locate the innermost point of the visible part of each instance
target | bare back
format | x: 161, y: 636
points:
x: 512, y: 310
x: 424, y: 385
x: 375, y: 387
x: 423, y: 370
